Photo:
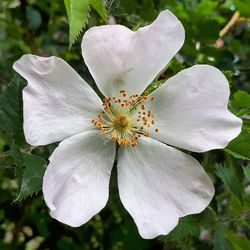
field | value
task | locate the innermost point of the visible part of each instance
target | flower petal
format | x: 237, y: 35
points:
x: 76, y: 182
x: 191, y: 110
x: 158, y: 184
x: 57, y: 102
x: 119, y: 58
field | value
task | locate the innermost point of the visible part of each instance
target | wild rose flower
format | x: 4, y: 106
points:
x: 157, y: 183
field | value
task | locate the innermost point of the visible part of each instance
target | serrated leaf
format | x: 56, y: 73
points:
x: 229, y: 180
x: 78, y: 13
x: 29, y: 173
x: 220, y: 242
x: 240, y: 146
x: 34, y: 167
x: 188, y: 226
x: 98, y: 5
x: 11, y: 110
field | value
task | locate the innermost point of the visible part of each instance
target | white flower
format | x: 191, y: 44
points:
x: 157, y: 183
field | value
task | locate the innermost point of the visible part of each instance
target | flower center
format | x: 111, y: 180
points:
x: 121, y: 122
x: 125, y: 119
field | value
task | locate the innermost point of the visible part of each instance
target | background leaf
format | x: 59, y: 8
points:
x: 78, y: 14
x: 29, y: 173
x: 99, y: 6
x: 241, y: 99
x: 240, y: 146
x: 238, y: 242
x: 229, y: 180
x: 11, y: 110
x: 243, y: 6
x: 220, y: 242
x: 186, y: 227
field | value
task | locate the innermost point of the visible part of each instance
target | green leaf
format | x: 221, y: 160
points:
x: 229, y: 180
x: 220, y: 243
x: 29, y: 173
x: 243, y: 7
x: 237, y: 242
x: 147, y: 10
x: 187, y: 226
x: 128, y: 6
x: 229, y: 75
x: 176, y: 66
x: 206, y: 7
x: 235, y: 206
x: 78, y: 13
x: 67, y: 7
x: 17, y: 156
x: 246, y: 171
x: 241, y: 99
x: 98, y: 5
x: 240, y: 146
x: 208, y: 217
x: 154, y: 85
x: 11, y: 110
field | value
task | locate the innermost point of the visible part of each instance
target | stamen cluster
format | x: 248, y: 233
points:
x: 126, y: 118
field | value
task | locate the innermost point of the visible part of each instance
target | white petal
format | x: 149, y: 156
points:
x: 191, y: 110
x: 76, y: 182
x: 119, y: 58
x: 158, y: 184
x: 57, y: 102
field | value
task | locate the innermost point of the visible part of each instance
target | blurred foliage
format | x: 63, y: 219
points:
x: 42, y: 28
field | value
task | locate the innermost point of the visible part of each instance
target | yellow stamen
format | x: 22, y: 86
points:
x: 125, y: 119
